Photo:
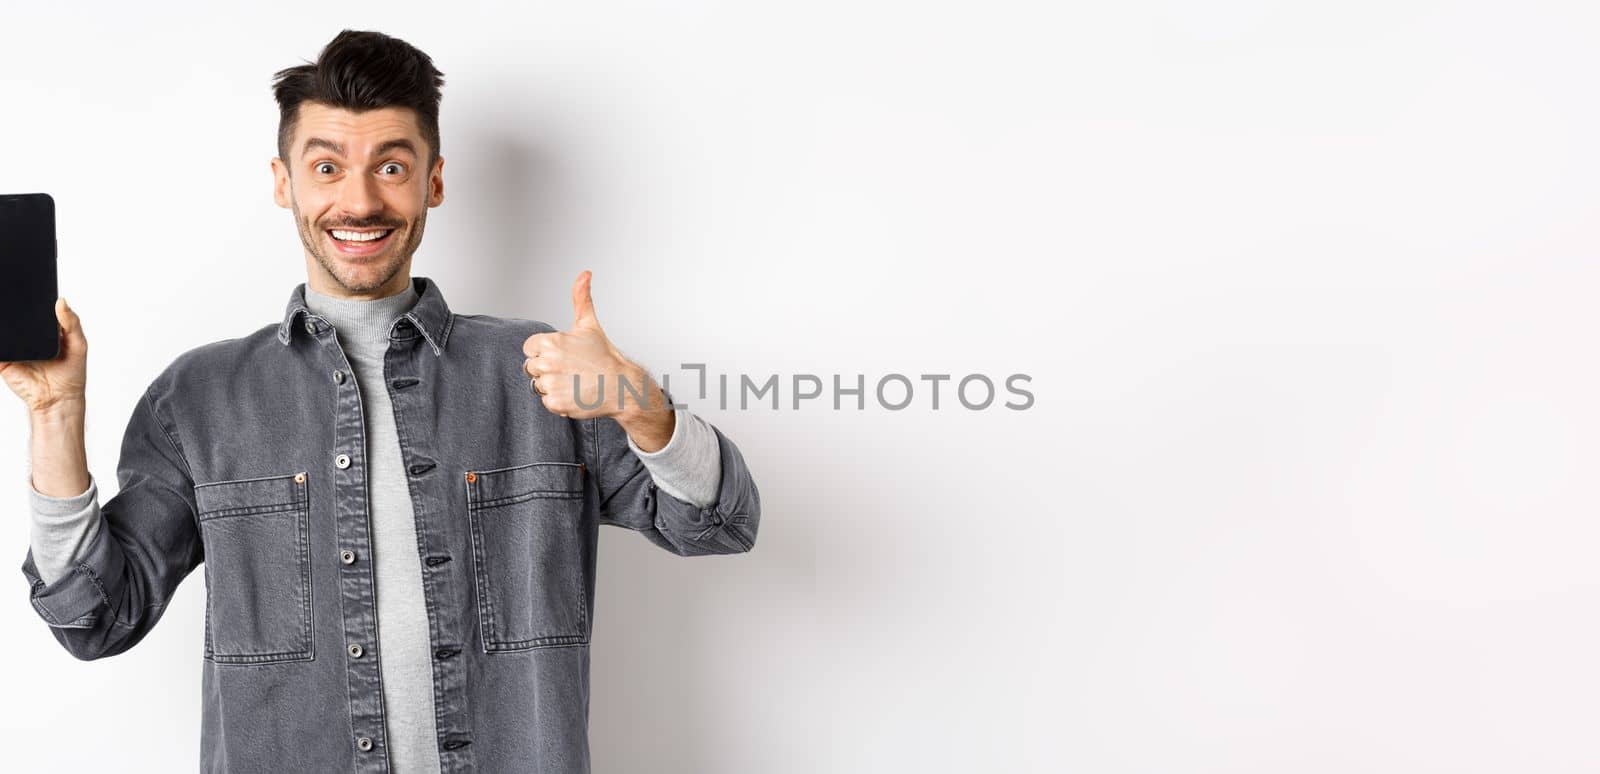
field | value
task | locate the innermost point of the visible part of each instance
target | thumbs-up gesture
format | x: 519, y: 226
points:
x: 581, y: 356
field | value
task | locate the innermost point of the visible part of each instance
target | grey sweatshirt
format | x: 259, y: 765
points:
x: 688, y: 467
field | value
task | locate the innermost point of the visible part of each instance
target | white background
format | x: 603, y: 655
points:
x: 1306, y: 292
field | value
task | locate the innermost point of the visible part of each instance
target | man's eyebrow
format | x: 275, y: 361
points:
x: 384, y: 147
x: 318, y: 142
x: 399, y: 144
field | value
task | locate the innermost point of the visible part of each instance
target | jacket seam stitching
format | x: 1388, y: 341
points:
x: 194, y: 535
x: 188, y: 468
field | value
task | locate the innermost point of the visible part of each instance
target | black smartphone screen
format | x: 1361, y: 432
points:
x: 28, y: 328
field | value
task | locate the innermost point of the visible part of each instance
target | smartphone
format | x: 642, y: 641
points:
x: 28, y: 327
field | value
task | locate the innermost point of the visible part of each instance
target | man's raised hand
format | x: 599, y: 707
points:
x: 58, y: 384
x: 583, y: 354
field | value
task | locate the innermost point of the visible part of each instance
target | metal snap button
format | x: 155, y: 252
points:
x: 300, y: 478
x: 364, y: 743
x: 471, y: 477
x: 311, y: 327
x: 355, y: 650
x: 347, y: 556
x: 338, y: 377
x: 342, y: 461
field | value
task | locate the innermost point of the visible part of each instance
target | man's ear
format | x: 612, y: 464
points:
x: 280, y: 183
x: 436, y: 184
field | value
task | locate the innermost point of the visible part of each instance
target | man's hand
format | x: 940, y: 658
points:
x: 54, y: 392
x: 584, y: 354
x: 54, y: 385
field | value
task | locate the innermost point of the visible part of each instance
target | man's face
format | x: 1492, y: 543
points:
x: 351, y: 177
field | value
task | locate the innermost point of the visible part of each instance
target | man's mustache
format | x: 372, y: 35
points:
x: 369, y: 224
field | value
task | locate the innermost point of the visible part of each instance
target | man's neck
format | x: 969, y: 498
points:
x: 361, y: 320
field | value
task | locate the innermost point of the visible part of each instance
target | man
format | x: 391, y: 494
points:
x: 396, y: 505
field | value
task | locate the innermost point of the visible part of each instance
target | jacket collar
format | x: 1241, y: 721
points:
x: 430, y: 315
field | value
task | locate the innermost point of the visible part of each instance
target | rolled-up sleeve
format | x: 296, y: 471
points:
x: 146, y: 544
x: 630, y: 497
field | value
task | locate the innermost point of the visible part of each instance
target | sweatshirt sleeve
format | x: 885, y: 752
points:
x: 689, y: 467
x: 63, y: 528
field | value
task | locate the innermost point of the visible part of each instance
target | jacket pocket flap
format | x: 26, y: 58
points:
x: 535, y: 479
x: 250, y: 495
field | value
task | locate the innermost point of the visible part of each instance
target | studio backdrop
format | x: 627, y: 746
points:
x: 1131, y: 387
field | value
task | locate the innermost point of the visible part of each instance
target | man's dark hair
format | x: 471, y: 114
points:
x: 359, y: 71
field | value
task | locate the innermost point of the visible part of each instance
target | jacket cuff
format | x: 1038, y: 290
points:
x: 77, y: 599
x: 730, y: 521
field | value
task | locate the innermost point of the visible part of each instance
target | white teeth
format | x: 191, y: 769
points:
x: 358, y: 236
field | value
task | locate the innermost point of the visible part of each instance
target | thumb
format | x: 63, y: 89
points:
x: 72, y: 338
x: 583, y: 303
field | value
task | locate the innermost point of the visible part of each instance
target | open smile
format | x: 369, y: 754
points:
x: 358, y: 241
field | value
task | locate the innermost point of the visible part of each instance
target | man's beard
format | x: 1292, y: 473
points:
x: 313, y: 239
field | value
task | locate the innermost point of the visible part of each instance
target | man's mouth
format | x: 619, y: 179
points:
x: 357, y: 241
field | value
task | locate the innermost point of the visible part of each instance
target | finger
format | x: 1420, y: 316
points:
x: 66, y: 317
x: 582, y: 302
x: 72, y: 337
x: 539, y: 342
x: 547, y: 360
x: 550, y: 404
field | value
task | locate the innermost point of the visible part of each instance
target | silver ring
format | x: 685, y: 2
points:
x: 533, y: 384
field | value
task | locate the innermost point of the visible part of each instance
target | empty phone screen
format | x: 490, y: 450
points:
x: 28, y: 329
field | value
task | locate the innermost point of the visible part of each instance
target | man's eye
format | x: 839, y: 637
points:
x: 398, y: 168
x: 325, y: 168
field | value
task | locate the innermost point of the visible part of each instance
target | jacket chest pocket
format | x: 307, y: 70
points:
x: 528, y: 550
x: 258, y: 569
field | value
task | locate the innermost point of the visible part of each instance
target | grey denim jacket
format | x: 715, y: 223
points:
x: 248, y: 455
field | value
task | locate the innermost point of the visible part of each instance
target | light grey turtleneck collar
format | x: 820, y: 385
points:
x: 363, y: 325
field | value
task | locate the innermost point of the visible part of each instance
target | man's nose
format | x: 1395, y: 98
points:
x: 358, y: 196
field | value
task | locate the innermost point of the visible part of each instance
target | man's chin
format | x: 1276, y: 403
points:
x: 362, y: 275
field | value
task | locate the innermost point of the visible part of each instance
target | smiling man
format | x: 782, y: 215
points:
x: 396, y: 505
x: 359, y: 230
